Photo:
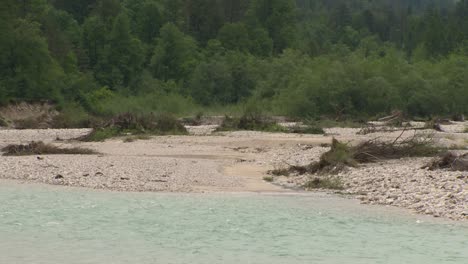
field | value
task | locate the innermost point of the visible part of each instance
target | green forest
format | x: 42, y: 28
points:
x: 297, y: 58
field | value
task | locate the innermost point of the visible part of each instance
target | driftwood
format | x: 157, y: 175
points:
x: 342, y: 155
x: 375, y: 150
x: 396, y: 115
x: 449, y: 161
x: 459, y: 118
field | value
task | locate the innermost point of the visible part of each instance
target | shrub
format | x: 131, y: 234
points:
x: 40, y: 148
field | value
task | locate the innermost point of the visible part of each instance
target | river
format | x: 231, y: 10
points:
x: 45, y: 224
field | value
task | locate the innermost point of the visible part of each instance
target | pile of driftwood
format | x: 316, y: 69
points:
x: 397, y: 120
x: 449, y: 161
x: 342, y: 155
x: 391, y: 123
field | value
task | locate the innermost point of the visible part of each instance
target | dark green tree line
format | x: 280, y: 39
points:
x: 296, y: 57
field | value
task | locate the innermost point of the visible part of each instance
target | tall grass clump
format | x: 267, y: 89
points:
x: 137, y: 124
x: 40, y: 148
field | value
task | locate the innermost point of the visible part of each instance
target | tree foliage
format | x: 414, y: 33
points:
x: 303, y: 58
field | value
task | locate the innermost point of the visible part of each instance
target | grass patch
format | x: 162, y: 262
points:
x: 324, y: 183
x: 40, y: 148
x: 137, y: 125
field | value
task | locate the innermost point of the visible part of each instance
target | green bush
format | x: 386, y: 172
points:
x: 268, y: 179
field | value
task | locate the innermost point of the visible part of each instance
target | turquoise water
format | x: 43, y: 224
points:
x: 42, y: 224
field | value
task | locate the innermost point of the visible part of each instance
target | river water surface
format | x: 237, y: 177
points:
x: 43, y: 224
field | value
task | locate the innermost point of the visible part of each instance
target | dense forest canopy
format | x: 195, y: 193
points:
x: 303, y: 58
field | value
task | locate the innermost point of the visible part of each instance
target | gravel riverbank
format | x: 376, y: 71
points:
x: 237, y: 162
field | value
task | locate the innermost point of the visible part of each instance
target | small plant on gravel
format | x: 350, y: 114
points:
x: 324, y: 183
x: 40, y: 148
x: 268, y: 179
x: 132, y: 124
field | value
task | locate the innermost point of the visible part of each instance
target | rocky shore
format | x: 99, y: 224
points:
x: 238, y: 162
